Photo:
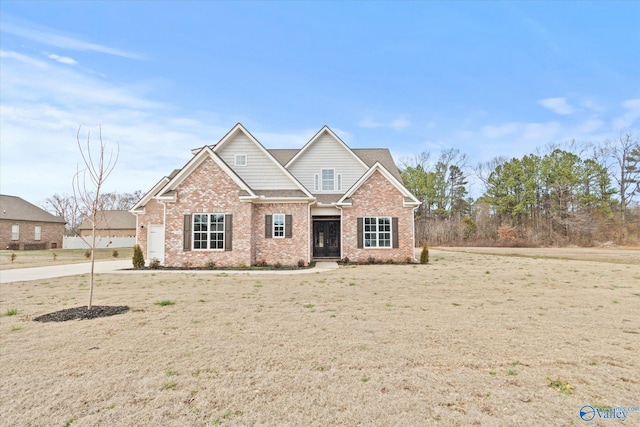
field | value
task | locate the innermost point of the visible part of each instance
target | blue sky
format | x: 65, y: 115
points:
x: 487, y: 78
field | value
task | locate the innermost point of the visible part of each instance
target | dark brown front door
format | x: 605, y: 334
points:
x: 326, y: 239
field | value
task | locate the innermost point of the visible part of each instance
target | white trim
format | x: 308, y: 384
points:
x: 317, y: 136
x: 196, y: 161
x: 377, y: 232
x: 239, y: 128
x: 139, y: 207
x: 246, y: 160
x: 397, y: 184
x: 333, y: 180
x: 208, y: 232
x: 273, y: 225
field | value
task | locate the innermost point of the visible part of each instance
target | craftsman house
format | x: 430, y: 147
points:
x: 24, y: 226
x: 237, y: 203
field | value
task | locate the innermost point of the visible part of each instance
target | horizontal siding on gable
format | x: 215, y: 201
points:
x: 261, y: 172
x: 327, y: 153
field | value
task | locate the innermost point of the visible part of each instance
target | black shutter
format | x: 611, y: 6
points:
x: 228, y: 232
x: 359, y: 231
x: 287, y: 226
x: 267, y: 226
x: 186, y: 233
x: 394, y: 232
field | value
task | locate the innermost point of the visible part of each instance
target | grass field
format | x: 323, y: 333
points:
x: 25, y: 259
x: 470, y: 339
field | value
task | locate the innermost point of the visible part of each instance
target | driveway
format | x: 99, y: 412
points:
x: 40, y: 273
x: 48, y: 272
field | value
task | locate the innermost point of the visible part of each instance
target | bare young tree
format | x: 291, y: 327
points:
x: 87, y: 184
x: 625, y: 156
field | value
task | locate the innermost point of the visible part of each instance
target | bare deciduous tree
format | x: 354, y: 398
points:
x: 87, y: 184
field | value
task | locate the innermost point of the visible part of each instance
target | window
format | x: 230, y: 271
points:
x: 327, y: 179
x: 37, y: 231
x: 241, y: 160
x: 278, y: 225
x: 208, y: 231
x: 15, y: 232
x: 377, y: 232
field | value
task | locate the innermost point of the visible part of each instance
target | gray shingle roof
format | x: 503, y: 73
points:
x: 15, y: 208
x: 368, y: 155
x: 112, y: 220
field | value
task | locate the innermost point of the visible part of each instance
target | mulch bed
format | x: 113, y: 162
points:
x: 82, y: 313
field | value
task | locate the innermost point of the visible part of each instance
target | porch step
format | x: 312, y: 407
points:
x: 326, y: 265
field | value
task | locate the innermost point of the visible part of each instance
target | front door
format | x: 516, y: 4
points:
x: 155, y: 243
x: 326, y: 239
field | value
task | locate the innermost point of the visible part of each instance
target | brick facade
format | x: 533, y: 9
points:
x: 286, y: 251
x: 209, y: 185
x: 50, y: 237
x: 377, y: 197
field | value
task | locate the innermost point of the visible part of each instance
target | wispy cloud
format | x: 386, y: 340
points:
x: 557, y: 105
x: 62, y: 59
x: 22, y: 58
x: 631, y: 114
x: 51, y: 37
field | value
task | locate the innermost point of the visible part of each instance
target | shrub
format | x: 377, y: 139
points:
x: 301, y: 263
x: 87, y: 253
x: 54, y: 256
x: 424, y: 255
x: 261, y: 263
x: 345, y: 260
x: 115, y: 254
x: 371, y: 260
x: 138, y: 258
x: 210, y: 265
x: 277, y: 265
x: 13, y: 256
x: 154, y: 263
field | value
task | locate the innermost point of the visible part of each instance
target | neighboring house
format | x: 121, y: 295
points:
x: 237, y: 203
x: 110, y: 223
x: 24, y: 226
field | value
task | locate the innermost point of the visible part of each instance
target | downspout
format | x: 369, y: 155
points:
x: 309, y: 232
x: 341, y: 232
x: 414, y: 232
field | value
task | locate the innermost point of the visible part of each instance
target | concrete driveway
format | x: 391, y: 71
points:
x: 48, y: 272
x: 39, y: 273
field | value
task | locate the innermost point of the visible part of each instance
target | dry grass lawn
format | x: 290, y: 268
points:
x: 470, y: 339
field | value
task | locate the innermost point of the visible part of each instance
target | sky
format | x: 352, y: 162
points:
x: 157, y: 79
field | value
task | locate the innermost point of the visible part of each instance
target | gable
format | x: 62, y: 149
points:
x: 15, y: 208
x: 326, y: 151
x: 261, y: 171
x: 378, y: 172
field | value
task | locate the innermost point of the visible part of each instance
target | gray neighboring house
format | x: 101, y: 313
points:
x: 25, y: 226
x: 110, y: 223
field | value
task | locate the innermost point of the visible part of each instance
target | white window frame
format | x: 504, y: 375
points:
x: 241, y: 163
x: 278, y: 225
x: 213, y: 237
x: 332, y: 181
x: 37, y: 232
x: 373, y: 236
x: 15, y: 232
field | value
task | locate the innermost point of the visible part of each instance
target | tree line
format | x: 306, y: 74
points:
x: 563, y: 194
x: 74, y: 212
